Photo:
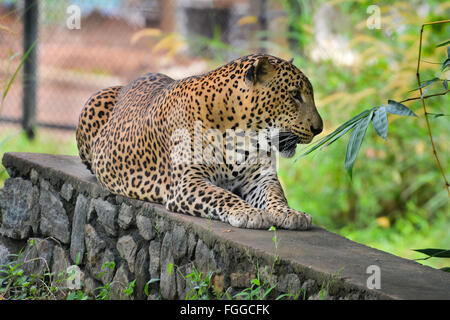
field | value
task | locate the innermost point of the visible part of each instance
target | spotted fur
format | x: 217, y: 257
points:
x: 125, y: 137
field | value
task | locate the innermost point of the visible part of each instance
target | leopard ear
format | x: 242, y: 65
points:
x: 291, y: 60
x: 260, y: 72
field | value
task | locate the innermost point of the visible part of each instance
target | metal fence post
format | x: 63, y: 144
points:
x: 263, y: 23
x: 30, y: 35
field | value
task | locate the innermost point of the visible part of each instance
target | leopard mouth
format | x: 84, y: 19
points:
x: 286, y: 143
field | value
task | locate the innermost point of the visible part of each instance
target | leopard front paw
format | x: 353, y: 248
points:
x: 291, y: 219
x: 249, y: 218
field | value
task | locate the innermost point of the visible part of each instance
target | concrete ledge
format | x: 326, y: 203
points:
x: 143, y: 238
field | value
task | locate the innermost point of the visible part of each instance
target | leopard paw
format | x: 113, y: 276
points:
x: 249, y: 218
x: 291, y: 219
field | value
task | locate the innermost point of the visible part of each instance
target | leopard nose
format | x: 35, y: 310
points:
x: 317, y: 130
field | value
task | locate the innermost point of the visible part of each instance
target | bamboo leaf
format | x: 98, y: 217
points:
x: 354, y: 119
x: 332, y: 136
x: 337, y: 136
x: 426, y: 83
x: 354, y: 144
x: 443, y: 43
x: 380, y: 122
x: 398, y: 108
x: 445, y: 64
x: 25, y: 56
x: 437, y: 115
x: 436, y: 253
x: 424, y: 92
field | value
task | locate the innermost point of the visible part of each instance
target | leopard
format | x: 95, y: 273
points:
x: 139, y: 140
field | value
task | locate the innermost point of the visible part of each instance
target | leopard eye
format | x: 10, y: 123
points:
x: 297, y: 95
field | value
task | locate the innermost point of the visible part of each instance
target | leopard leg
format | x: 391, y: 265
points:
x: 195, y: 194
x: 263, y: 190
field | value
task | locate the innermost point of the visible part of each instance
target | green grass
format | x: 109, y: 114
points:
x: 404, y: 236
x: 52, y: 142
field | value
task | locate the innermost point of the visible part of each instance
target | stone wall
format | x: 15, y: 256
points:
x: 54, y: 208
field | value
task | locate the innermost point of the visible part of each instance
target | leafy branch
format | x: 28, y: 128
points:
x: 435, y: 253
x: 13, y: 77
x: 444, y: 65
x: 378, y: 117
x: 359, y: 124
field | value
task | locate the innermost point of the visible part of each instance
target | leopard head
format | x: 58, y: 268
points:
x: 282, y: 97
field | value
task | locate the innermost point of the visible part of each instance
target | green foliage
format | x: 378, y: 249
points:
x: 437, y: 253
x: 395, y: 200
x: 15, y: 284
x: 105, y: 290
x: 201, y: 286
x: 443, y: 44
x: 258, y: 290
x: 13, y: 77
x: 129, y: 290
x: 215, y: 45
x: 5, y: 84
x: 77, y: 295
x: 358, y: 125
x: 146, y: 287
x: 275, y: 241
x: 14, y: 140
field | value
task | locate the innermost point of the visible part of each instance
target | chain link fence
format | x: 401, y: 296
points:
x: 76, y: 55
x: 83, y: 46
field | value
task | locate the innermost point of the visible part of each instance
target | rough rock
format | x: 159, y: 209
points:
x: 4, y: 255
x: 309, y: 286
x: 9, y: 248
x: 37, y: 256
x: 94, y: 249
x: 204, y: 258
x: 75, y: 277
x: 141, y: 271
x: 107, y: 215
x: 90, y: 287
x: 34, y: 176
x: 60, y: 267
x: 154, y: 250
x: 106, y: 268
x: 289, y: 283
x: 184, y: 286
x: 145, y: 227
x: 168, y: 283
x: 120, y: 283
x: 179, y: 242
x: 54, y: 221
x: 127, y: 248
x: 241, y: 279
x: 77, y: 243
x: 126, y: 216
x: 67, y: 191
x: 19, y: 209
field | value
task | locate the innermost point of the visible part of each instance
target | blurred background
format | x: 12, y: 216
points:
x: 357, y: 55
